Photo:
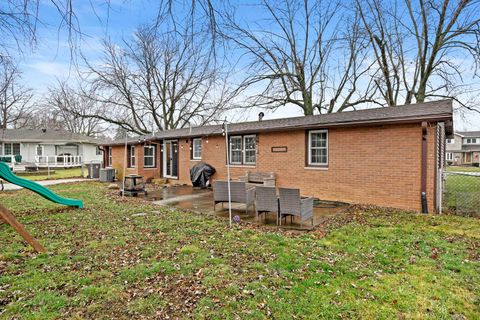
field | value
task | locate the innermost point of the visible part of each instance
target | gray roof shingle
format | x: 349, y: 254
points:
x: 53, y: 136
x: 474, y: 134
x: 434, y: 110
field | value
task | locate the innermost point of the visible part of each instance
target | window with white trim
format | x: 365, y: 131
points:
x: 39, y: 150
x: 318, y: 147
x: 12, y: 149
x: 471, y: 140
x: 149, y: 156
x: 236, y: 150
x: 449, y: 156
x: 197, y: 149
x: 249, y: 149
x: 450, y: 141
x: 243, y: 149
x: 132, y: 156
x: 110, y: 158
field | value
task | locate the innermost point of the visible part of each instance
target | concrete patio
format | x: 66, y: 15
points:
x: 201, y: 200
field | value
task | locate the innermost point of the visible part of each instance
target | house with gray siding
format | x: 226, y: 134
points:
x: 463, y: 148
x: 47, y: 148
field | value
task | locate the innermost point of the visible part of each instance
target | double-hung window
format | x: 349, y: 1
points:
x: 236, y: 150
x: 449, y: 156
x: 249, y: 149
x: 39, y: 150
x: 197, y: 149
x: 132, y: 156
x: 318, y: 148
x: 149, y: 156
x: 243, y: 149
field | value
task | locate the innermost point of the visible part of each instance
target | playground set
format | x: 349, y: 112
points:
x: 7, y: 175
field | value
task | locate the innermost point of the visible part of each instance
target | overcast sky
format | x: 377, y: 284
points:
x: 51, y: 59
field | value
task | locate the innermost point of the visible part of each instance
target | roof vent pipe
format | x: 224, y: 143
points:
x: 260, y: 116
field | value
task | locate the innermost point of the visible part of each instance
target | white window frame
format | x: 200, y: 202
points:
x: 194, y: 149
x: 450, y: 141
x: 231, y: 150
x: 472, y: 140
x: 244, y: 149
x: 110, y: 157
x: 310, y: 147
x: 449, y: 156
x: 133, y: 159
x: 11, y: 148
x: 149, y: 156
x: 42, y: 148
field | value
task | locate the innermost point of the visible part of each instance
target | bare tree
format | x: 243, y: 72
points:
x: 308, y: 54
x: 64, y: 108
x: 15, y: 98
x: 421, y: 49
x: 159, y: 81
x: 20, y: 19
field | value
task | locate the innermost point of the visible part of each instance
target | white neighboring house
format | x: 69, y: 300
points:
x: 47, y: 148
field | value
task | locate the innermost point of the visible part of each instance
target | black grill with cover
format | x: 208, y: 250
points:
x: 200, y: 174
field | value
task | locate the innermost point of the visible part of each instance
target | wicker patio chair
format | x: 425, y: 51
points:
x: 255, y: 178
x: 291, y: 204
x: 266, y: 200
x: 239, y: 193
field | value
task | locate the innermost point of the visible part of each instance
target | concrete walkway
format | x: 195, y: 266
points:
x: 11, y: 187
x: 184, y: 198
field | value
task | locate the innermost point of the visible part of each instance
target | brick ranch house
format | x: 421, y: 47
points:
x: 384, y: 156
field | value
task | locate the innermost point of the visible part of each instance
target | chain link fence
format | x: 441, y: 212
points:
x: 461, y: 193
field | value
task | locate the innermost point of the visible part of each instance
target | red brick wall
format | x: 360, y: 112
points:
x: 378, y: 165
x: 118, y: 156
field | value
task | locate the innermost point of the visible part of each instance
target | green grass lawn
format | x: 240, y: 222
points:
x: 462, y: 193
x: 58, y: 174
x: 106, y: 261
x: 463, y: 169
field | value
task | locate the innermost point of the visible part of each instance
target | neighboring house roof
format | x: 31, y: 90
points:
x: 469, y: 134
x: 428, y: 111
x: 44, y: 136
